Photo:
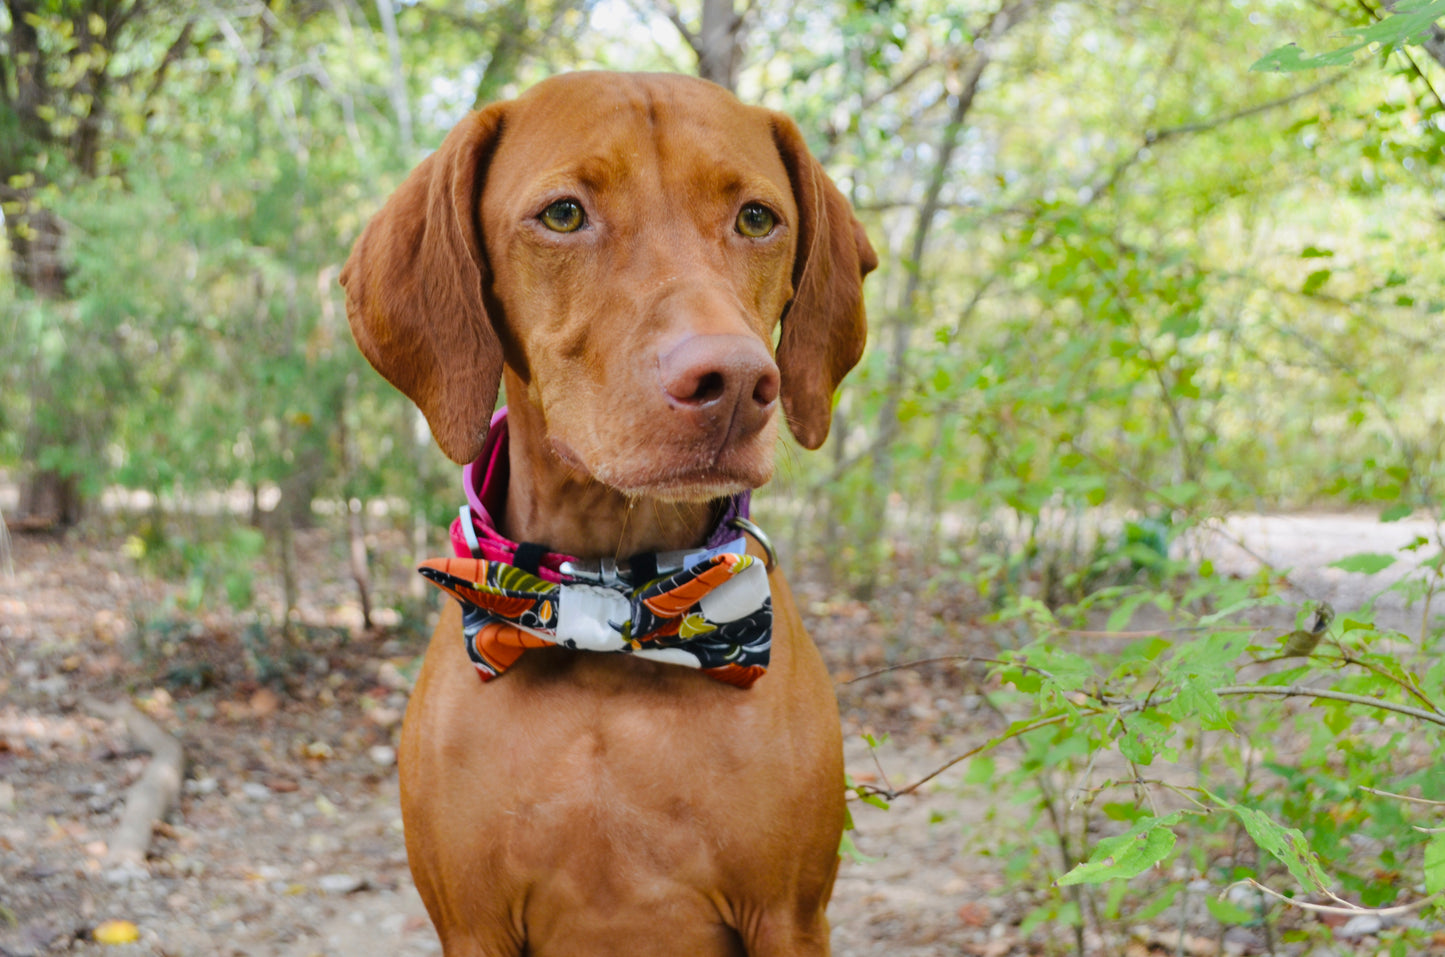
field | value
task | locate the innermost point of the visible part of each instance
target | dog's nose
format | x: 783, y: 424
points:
x: 722, y: 380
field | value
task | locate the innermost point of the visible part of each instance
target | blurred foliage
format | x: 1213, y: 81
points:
x: 1128, y: 286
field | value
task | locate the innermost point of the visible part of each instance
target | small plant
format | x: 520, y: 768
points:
x: 213, y: 572
x: 1223, y: 767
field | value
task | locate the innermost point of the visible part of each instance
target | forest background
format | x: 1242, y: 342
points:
x: 1130, y: 289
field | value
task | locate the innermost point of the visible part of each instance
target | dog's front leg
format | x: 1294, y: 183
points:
x: 783, y: 934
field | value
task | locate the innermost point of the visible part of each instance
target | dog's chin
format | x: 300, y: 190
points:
x: 695, y: 484
x: 733, y: 471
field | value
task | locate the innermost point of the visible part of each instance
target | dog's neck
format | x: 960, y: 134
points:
x: 551, y: 503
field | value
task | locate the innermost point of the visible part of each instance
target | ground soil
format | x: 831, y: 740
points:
x: 287, y: 839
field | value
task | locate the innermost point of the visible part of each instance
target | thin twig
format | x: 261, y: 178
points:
x: 882, y: 774
x: 986, y: 746
x: 975, y: 659
x: 1346, y: 909
x: 1402, y: 797
x: 1154, y: 632
x: 1376, y: 670
x: 1288, y: 691
x: 673, y: 14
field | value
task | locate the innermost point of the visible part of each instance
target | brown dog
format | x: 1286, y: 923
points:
x: 619, y: 249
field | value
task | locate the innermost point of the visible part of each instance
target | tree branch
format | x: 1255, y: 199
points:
x: 1287, y: 691
x: 890, y: 793
x: 153, y: 794
x: 1345, y: 908
x: 1206, y: 125
x: 831, y: 132
x: 969, y: 81
x: 1154, y: 137
x: 1402, y: 797
x: 669, y: 10
x: 1299, y: 691
x: 397, y: 88
x: 971, y: 659
x: 172, y: 54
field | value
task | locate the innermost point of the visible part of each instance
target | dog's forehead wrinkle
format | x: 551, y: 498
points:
x: 681, y: 158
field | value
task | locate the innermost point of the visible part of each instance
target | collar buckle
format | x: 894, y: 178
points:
x: 597, y: 571
x: 618, y: 574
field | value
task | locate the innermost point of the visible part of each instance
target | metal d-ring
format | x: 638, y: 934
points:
x: 760, y: 536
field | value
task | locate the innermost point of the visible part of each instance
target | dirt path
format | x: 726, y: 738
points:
x: 288, y: 842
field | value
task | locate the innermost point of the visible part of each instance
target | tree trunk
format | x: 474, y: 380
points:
x: 48, y: 500
x: 359, y: 558
x: 507, y: 52
x: 290, y: 581
x: 967, y: 77
x: 717, y: 43
x: 718, y: 48
x: 904, y: 321
x: 29, y: 106
x: 36, y: 238
x: 360, y: 567
x: 49, y: 497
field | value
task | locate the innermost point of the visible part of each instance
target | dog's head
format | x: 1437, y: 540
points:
x: 626, y: 245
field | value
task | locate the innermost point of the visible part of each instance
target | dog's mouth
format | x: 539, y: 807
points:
x: 675, y: 477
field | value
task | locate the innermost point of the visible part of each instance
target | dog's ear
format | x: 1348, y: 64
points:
x: 414, y: 290
x: 824, y: 328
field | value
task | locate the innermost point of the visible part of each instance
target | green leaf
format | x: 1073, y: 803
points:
x: 1435, y: 864
x: 1234, y: 608
x: 1120, y: 811
x: 1146, y: 735
x: 849, y: 851
x: 1037, y: 917
x: 1396, y: 512
x: 1366, y: 563
x: 1120, y: 617
x: 1315, y: 281
x: 1127, y: 855
x: 1157, y: 906
x: 1286, y: 844
x: 1290, y: 59
x: 1407, y: 24
x: 1199, y: 699
x: 981, y: 770
x: 1228, y: 912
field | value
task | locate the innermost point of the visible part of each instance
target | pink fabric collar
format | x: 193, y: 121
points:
x: 485, y: 481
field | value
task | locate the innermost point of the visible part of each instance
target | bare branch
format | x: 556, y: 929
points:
x: 669, y: 10
x: 399, y: 100
x: 1205, y: 125
x: 1345, y: 908
x: 1154, y: 137
x: 172, y: 54
x: 1401, y: 797
x: 1299, y: 691
x: 988, y: 745
x: 973, y: 659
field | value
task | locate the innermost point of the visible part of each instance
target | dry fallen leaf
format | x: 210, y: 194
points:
x: 319, y: 751
x: 975, y: 914
x: 264, y: 703
x: 116, y: 932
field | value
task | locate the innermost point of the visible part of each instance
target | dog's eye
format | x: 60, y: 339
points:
x: 564, y: 216
x: 755, y: 221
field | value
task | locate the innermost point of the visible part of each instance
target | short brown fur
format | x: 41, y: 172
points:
x: 585, y: 804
